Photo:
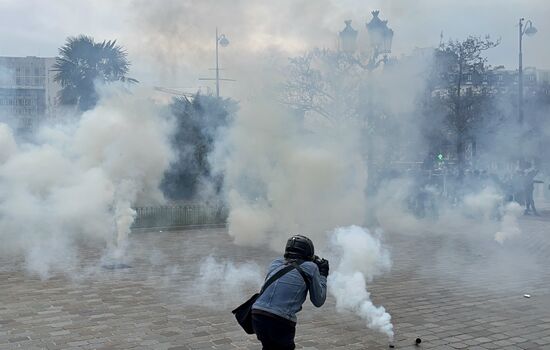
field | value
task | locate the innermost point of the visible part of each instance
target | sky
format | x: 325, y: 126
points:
x: 171, y: 42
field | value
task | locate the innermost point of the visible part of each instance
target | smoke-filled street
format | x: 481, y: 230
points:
x: 441, y: 289
x: 275, y: 175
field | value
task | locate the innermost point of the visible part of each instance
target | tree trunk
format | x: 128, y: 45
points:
x: 460, y: 155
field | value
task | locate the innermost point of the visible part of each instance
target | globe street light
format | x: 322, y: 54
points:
x: 530, y: 30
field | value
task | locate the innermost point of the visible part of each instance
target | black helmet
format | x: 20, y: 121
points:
x: 299, y: 247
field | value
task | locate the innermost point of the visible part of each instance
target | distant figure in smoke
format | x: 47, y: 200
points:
x: 518, y: 181
x: 529, y: 188
x: 274, y: 312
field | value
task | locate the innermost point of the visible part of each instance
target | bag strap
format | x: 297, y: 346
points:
x: 276, y: 276
x: 281, y: 272
x: 304, y: 276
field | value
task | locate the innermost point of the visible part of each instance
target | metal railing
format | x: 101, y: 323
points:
x: 179, y: 216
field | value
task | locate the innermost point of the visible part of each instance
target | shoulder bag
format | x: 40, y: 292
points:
x: 243, y: 313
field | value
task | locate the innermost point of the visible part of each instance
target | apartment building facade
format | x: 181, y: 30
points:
x: 28, y: 92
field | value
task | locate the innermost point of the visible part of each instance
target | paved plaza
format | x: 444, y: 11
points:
x: 452, y: 292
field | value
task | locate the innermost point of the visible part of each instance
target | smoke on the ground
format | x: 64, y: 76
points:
x: 509, y: 224
x: 225, y: 283
x: 78, y: 181
x: 478, y: 215
x: 360, y: 256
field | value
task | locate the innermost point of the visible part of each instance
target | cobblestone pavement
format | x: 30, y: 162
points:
x: 451, y: 292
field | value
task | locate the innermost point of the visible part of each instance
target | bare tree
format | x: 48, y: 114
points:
x: 325, y: 82
x: 460, y: 74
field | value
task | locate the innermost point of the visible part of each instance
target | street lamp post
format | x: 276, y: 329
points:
x: 380, y: 41
x: 530, y: 30
x: 221, y: 40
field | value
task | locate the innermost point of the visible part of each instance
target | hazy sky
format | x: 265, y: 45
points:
x: 171, y: 41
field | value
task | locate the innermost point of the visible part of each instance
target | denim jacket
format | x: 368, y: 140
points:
x: 285, y: 296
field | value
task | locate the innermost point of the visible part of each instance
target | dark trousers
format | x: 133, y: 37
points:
x: 275, y: 333
x: 529, y: 202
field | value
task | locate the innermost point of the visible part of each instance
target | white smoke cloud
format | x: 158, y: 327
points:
x: 361, y: 257
x: 482, y: 204
x: 8, y: 146
x: 509, y: 223
x: 226, y: 283
x: 282, y: 178
x: 80, y: 181
x: 476, y: 215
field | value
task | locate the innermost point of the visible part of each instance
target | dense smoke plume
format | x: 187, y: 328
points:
x: 288, y: 170
x: 480, y: 214
x: 281, y: 178
x: 284, y: 171
x: 79, y: 181
x: 361, y: 257
x: 509, y: 225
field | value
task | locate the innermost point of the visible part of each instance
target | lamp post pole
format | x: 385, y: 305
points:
x: 380, y: 39
x: 530, y: 30
x: 217, y: 66
x: 221, y: 39
x: 520, y: 73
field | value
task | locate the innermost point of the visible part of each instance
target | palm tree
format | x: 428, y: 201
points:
x: 82, y: 63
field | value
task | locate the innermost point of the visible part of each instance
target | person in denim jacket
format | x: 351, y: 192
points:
x: 274, y: 312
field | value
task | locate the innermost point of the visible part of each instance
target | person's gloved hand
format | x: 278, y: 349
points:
x: 323, y: 267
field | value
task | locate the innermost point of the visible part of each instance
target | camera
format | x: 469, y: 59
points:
x: 322, y: 264
x: 319, y: 261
